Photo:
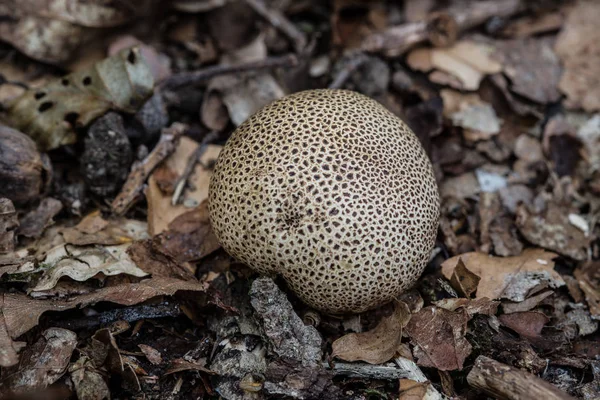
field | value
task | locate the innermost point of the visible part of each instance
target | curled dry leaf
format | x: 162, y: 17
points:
x: 508, y: 277
x: 83, y: 263
x: 588, y: 278
x: 377, y: 345
x: 439, y: 338
x: 51, y: 113
x: 43, y: 363
x: 94, y: 229
x: 52, y: 31
x: 22, y: 313
x: 464, y: 281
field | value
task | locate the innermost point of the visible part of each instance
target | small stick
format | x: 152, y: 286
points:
x: 280, y: 22
x: 140, y: 171
x: 129, y: 314
x: 505, y: 382
x: 441, y: 29
x: 189, y: 168
x: 194, y: 77
x: 353, y: 64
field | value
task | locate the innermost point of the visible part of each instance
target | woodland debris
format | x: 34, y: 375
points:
x: 141, y: 170
x: 43, y: 363
x: 51, y: 114
x: 441, y: 28
x: 508, y: 277
x: 161, y: 211
x: 33, y: 223
x: 191, y: 78
x: 8, y: 224
x: 24, y: 172
x: 578, y: 47
x: 375, y: 346
x: 505, y: 382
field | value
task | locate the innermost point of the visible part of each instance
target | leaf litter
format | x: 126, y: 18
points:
x: 157, y: 309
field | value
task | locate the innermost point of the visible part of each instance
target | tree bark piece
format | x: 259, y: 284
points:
x: 505, y: 382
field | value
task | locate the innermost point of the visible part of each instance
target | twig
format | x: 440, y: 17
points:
x: 129, y: 314
x: 280, y: 21
x: 367, y: 371
x: 441, y: 29
x: 505, y: 382
x: 352, y: 65
x: 142, y: 170
x: 195, y: 77
x: 189, y: 168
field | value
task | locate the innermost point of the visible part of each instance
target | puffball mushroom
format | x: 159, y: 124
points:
x: 333, y: 192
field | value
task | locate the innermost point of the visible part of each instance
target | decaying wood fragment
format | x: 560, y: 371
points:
x: 505, y: 382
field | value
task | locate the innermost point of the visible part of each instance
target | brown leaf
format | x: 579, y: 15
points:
x: 179, y: 365
x: 588, y: 277
x: 43, y: 363
x: 9, y: 355
x: 93, y: 229
x: 463, y: 280
x: 34, y: 222
x: 578, y: 46
x: 528, y: 324
x: 145, y: 255
x: 552, y: 230
x: 22, y: 312
x: 527, y: 304
x: 412, y: 390
x: 151, y: 354
x: 377, y: 345
x: 189, y: 237
x: 439, y: 338
x: 508, y: 277
x: 160, y: 210
x: 532, y: 67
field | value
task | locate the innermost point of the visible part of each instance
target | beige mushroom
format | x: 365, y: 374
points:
x: 333, y: 192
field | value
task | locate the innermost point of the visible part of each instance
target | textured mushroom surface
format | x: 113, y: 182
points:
x: 332, y: 191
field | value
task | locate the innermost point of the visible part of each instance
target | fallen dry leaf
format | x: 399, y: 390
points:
x: 9, y: 355
x: 588, y: 278
x: 532, y: 67
x: 22, y: 313
x: 478, y: 306
x: 151, y: 354
x: 508, y: 277
x: 50, y: 114
x: 147, y: 257
x: 34, y: 222
x: 43, y: 363
x: 189, y: 237
x: 83, y: 263
x: 160, y: 210
x: 552, y: 230
x: 439, y: 338
x: 578, y: 46
x: 468, y: 61
x: 464, y: 281
x: 377, y: 345
x: 527, y: 304
x: 412, y: 390
x: 87, y: 380
x: 93, y: 229
x: 528, y: 324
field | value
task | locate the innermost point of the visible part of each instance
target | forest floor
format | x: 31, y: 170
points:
x: 112, y: 284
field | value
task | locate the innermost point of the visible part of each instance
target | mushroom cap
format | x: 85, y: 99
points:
x: 333, y: 192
